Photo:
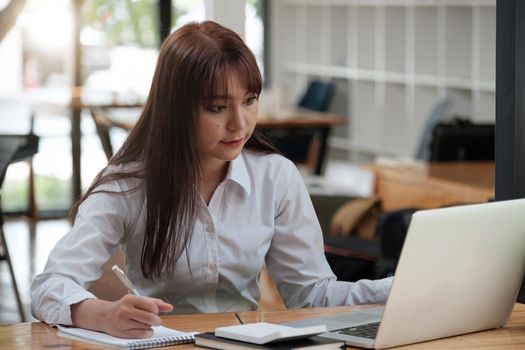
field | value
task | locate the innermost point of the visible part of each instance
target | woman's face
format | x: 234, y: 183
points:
x: 225, y: 123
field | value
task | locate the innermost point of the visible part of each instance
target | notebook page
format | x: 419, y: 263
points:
x: 160, y: 334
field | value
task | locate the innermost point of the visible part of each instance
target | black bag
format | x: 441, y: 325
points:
x: 462, y: 140
x: 391, y: 229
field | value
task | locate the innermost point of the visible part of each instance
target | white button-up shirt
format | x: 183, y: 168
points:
x: 261, y: 213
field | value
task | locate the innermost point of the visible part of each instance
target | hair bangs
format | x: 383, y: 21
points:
x: 247, y: 72
x: 221, y: 71
x: 216, y: 85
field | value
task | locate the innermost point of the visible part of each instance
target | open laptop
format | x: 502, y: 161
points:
x: 460, y: 271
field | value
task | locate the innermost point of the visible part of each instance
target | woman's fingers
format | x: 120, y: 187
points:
x: 153, y: 305
x: 133, y: 316
x: 144, y: 317
x: 134, y: 323
x: 144, y: 303
x: 145, y: 309
x: 162, y: 305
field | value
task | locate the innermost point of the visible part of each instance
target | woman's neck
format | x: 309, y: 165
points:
x: 212, y: 173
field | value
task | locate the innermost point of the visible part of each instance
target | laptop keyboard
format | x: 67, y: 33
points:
x: 368, y: 330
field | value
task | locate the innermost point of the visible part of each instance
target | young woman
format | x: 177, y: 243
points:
x: 198, y: 202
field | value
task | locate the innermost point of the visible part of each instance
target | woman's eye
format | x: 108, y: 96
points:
x: 216, y: 108
x: 250, y: 100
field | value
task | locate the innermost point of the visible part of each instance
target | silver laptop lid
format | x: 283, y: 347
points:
x: 460, y: 271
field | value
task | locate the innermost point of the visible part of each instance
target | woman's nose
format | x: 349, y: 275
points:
x: 237, y: 119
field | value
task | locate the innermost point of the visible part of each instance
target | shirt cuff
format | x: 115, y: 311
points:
x: 64, y: 312
x: 385, y: 289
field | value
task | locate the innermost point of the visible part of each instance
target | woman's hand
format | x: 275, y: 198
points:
x: 129, y: 317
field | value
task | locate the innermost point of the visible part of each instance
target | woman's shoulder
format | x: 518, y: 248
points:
x: 122, y: 176
x: 271, y: 166
x: 268, y: 161
x: 124, y: 168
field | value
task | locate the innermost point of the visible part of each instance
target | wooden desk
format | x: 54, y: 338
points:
x: 512, y: 336
x: 434, y: 185
x: 73, y: 101
x: 40, y: 336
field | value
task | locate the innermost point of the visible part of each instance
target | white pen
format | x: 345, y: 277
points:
x: 125, y: 281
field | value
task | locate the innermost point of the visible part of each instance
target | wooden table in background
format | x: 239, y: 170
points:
x: 73, y: 101
x: 434, y: 185
x: 40, y: 336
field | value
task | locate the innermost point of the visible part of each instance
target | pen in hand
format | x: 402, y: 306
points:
x: 125, y: 281
x: 161, y: 306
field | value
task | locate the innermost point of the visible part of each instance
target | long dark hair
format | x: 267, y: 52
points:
x: 193, y: 62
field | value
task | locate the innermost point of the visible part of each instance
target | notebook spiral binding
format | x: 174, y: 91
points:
x: 168, y: 341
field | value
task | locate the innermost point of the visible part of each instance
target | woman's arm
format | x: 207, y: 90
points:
x: 296, y: 257
x: 77, y: 259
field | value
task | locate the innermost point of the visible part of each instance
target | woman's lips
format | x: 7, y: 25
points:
x: 233, y: 143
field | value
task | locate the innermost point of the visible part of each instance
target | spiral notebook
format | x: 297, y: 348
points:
x: 162, y: 336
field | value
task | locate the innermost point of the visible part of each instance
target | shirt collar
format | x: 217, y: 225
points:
x: 238, y: 172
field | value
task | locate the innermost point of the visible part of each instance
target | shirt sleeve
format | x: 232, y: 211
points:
x: 78, y: 258
x: 296, y: 257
